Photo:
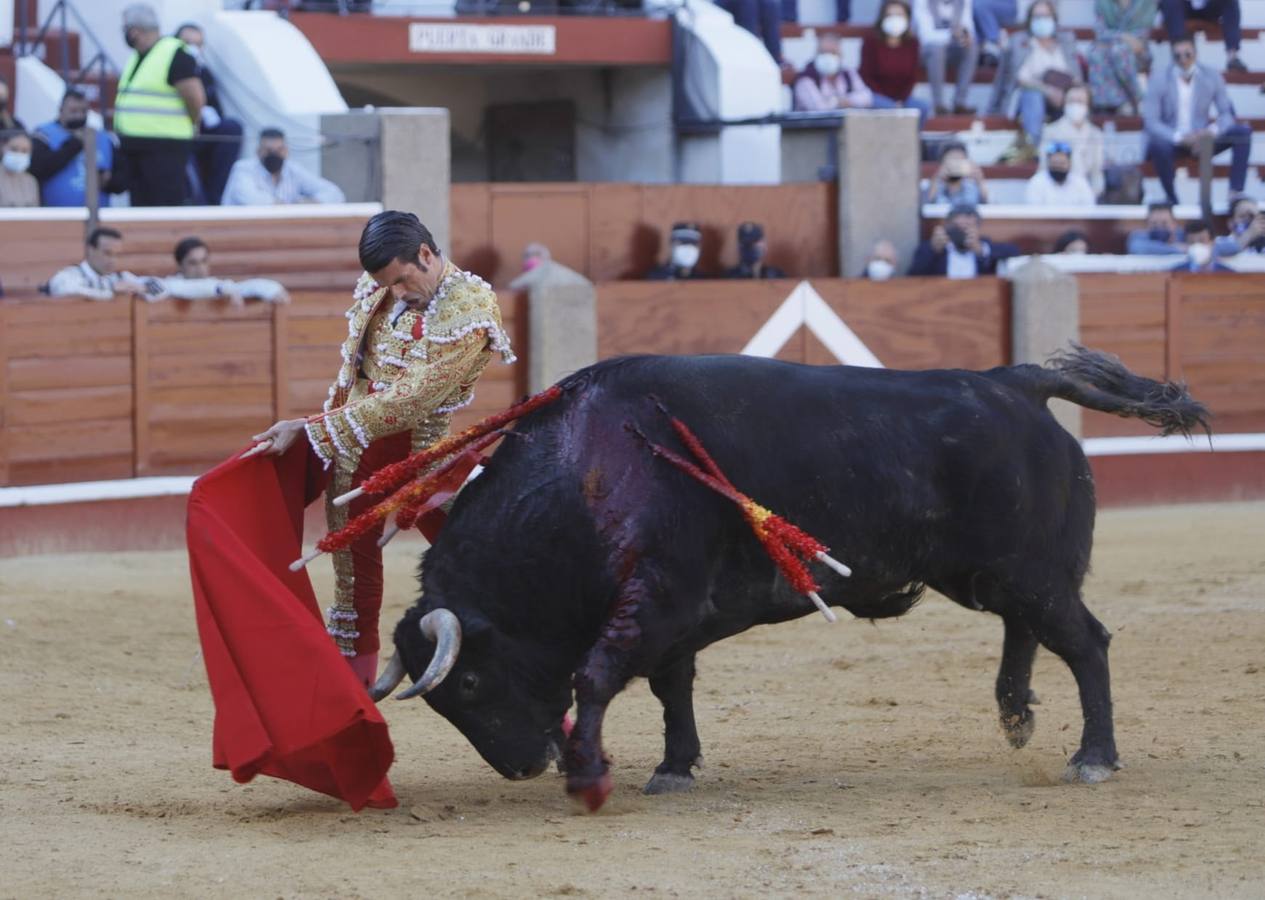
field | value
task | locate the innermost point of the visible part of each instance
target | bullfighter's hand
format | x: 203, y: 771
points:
x: 277, y: 439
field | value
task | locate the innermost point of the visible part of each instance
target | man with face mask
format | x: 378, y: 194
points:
x: 1200, y: 255
x: 420, y: 333
x: 219, y: 139
x: 1084, y: 137
x: 57, y: 159
x: 1057, y: 184
x: 1161, y: 237
x: 272, y: 177
x: 751, y: 252
x: 18, y: 187
x: 683, y: 255
x: 1247, y: 229
x: 156, y: 111
x: 827, y: 84
x: 882, y: 263
x: 1176, y: 117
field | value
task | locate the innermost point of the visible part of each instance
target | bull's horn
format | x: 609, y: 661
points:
x: 444, y: 628
x: 390, y: 678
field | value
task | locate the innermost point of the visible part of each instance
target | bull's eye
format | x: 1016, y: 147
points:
x: 469, y: 684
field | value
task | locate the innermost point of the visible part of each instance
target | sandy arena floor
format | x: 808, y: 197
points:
x: 848, y: 760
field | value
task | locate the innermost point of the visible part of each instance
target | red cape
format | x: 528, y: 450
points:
x: 286, y: 702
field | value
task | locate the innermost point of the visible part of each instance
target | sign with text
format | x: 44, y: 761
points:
x: 428, y: 37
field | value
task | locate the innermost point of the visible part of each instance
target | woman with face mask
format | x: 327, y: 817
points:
x: 1041, y: 64
x: 889, y: 60
x: 1120, y: 51
x: 827, y: 84
x: 18, y: 186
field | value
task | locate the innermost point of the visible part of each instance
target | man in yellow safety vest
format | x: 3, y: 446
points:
x: 159, y: 102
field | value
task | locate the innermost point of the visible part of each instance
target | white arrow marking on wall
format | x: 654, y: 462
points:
x: 804, y: 308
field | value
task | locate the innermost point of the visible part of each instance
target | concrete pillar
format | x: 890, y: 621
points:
x: 561, y: 323
x: 399, y: 157
x: 1045, y: 313
x: 879, y: 155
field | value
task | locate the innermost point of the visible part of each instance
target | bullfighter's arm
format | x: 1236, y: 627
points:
x: 343, y: 433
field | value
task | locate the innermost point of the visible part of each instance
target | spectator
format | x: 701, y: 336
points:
x: 1057, y: 184
x: 219, y: 141
x: 1042, y: 63
x: 683, y: 255
x: 1161, y: 237
x: 18, y: 186
x: 751, y: 252
x: 1122, y: 29
x: 156, y: 111
x: 946, y: 34
x: 1247, y: 229
x: 1175, y: 116
x: 1200, y: 256
x: 882, y: 262
x: 7, y: 120
x: 957, y: 250
x: 57, y: 160
x: 193, y: 279
x: 826, y: 84
x: 763, y: 18
x: 1224, y: 11
x: 990, y: 17
x: 1083, y: 136
x: 889, y: 60
x: 1073, y: 243
x: 958, y: 180
x: 98, y: 277
x: 272, y: 178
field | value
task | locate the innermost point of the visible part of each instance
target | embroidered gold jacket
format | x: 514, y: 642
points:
x: 405, y: 368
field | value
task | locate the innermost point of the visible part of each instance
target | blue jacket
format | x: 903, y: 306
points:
x: 1159, y: 108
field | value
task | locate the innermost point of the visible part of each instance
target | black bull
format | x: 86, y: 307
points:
x: 579, y: 561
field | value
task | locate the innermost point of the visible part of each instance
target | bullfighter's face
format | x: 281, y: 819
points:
x: 490, y: 696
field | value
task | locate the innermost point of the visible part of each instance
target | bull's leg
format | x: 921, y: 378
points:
x: 603, y: 674
x: 1013, y: 682
x: 1071, y: 631
x: 673, y: 684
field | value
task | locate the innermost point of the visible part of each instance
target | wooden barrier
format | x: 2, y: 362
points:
x: 611, y: 231
x: 97, y: 390
x: 908, y: 323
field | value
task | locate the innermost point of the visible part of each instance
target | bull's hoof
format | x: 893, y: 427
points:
x: 592, y: 792
x: 668, y: 783
x: 1091, y: 771
x: 1018, y: 727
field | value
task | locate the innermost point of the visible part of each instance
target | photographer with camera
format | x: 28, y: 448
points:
x: 1247, y: 228
x: 957, y: 250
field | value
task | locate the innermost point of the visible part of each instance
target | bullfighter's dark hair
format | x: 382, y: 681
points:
x: 95, y: 236
x: 187, y: 246
x: 392, y: 235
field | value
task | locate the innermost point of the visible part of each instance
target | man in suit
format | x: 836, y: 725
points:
x: 957, y: 250
x: 1175, y: 115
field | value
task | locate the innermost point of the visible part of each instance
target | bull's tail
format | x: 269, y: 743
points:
x: 1100, y: 381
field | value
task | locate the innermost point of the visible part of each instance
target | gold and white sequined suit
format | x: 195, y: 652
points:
x: 405, y: 370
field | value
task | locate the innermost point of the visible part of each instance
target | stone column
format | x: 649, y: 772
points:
x: 399, y: 157
x: 879, y: 155
x: 1045, y: 313
x: 561, y: 323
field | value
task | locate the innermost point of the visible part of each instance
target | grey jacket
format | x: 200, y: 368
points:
x: 1159, y: 108
x: 1017, y: 52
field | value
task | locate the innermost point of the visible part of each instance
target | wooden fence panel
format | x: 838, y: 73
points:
x: 1126, y: 315
x: 922, y: 323
x: 204, y: 382
x: 1219, y: 338
x: 65, y: 391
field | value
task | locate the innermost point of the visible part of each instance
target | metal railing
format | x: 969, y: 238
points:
x: 63, y: 12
